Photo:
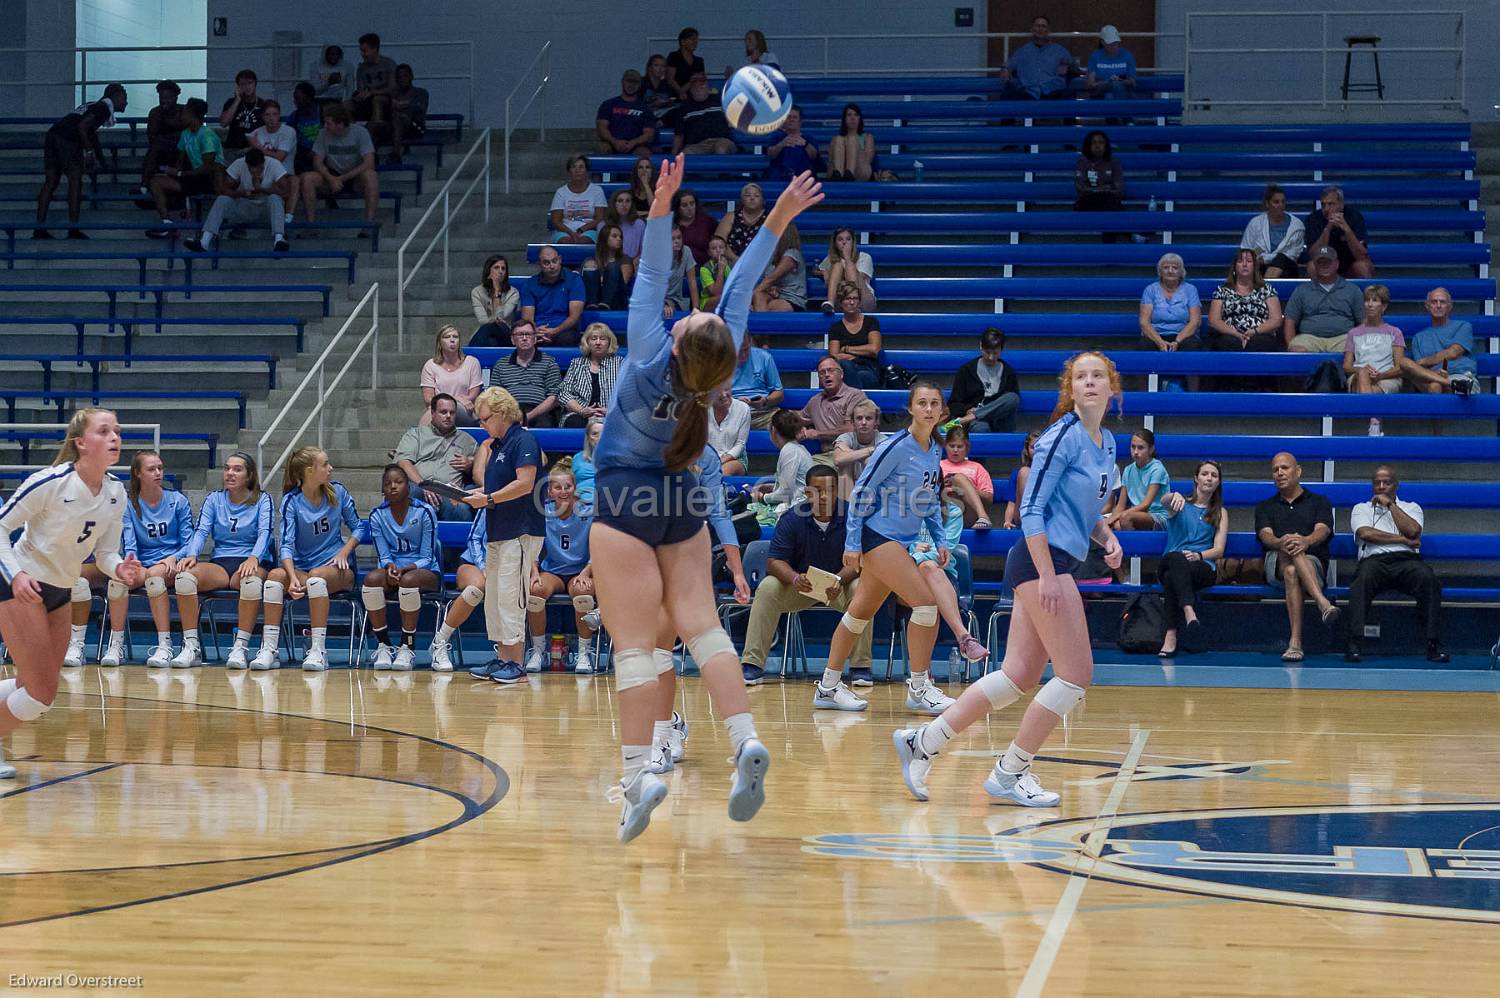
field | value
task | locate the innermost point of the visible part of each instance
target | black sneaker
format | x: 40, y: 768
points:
x: 159, y: 233
x: 1435, y: 653
x: 77, y: 234
x: 280, y: 246
x: 1352, y: 654
x: 1462, y: 387
x: 193, y: 245
x: 42, y: 234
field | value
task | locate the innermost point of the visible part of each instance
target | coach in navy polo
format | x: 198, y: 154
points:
x: 624, y: 123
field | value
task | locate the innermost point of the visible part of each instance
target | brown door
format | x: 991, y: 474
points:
x: 1077, y: 15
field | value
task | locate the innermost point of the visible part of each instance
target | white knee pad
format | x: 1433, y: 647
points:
x: 81, y: 593
x: 924, y: 616
x: 998, y: 689
x: 712, y: 642
x: 186, y: 584
x: 373, y: 598
x: 409, y: 599
x: 633, y: 668
x: 664, y: 661
x: 250, y: 587
x: 25, y: 707
x: 472, y: 595
x: 535, y: 604
x: 117, y: 591
x: 317, y: 588
x: 274, y: 592
x: 583, y: 604
x: 157, y: 586
x: 853, y: 624
x: 1060, y: 696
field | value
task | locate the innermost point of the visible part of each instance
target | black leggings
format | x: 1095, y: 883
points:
x: 1180, y: 581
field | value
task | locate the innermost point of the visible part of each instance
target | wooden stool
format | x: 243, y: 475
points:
x: 1374, y: 42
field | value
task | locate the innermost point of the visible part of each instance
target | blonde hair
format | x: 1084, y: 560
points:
x: 563, y: 466
x: 499, y: 402
x: 590, y: 444
x: 866, y: 406
x: 437, y: 342
x: 77, y: 427
x: 1065, y: 403
x: 602, y: 327
x: 297, y: 468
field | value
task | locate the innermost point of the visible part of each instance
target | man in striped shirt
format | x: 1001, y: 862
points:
x: 529, y: 375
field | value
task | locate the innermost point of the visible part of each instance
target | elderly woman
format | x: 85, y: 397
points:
x: 591, y: 376
x: 1170, y: 309
x: 451, y: 372
x: 739, y: 228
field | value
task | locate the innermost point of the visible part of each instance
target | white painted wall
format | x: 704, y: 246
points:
x: 121, y: 23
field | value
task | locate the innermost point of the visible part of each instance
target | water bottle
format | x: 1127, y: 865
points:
x: 955, y: 665
x: 917, y: 170
x: 1152, y: 205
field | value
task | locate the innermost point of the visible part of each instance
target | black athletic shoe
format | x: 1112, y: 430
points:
x: 77, y: 234
x: 1435, y: 653
x: 1352, y: 654
x: 42, y: 234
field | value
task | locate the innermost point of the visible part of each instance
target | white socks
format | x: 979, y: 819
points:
x: 117, y: 639
x: 319, y: 637
x: 1016, y: 760
x: 831, y: 679
x: 445, y: 631
x: 539, y: 642
x: 270, y: 636
x: 918, y: 680
x: 77, y: 633
x: 935, y: 735
x: 190, y: 634
x: 241, y: 638
x: 635, y: 758
x: 660, y: 732
x: 741, y: 728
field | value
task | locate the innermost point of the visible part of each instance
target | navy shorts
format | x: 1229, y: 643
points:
x: 870, y: 539
x: 53, y: 597
x: 658, y: 507
x: 1020, y: 568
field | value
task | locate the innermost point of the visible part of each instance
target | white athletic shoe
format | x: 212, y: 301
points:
x: 7, y: 771
x: 316, y: 660
x: 266, y: 658
x: 926, y: 699
x: 838, y: 698
x: 915, y: 764
x: 113, y: 655
x: 678, y: 736
x: 190, y: 656
x: 638, y: 799
x: 1008, y: 788
x: 583, y: 663
x: 536, y: 661
x: 594, y: 621
x: 661, y: 759
x: 73, y: 657
x: 383, y: 657
x: 406, y: 656
x: 239, y: 658
x: 440, y: 660
x: 748, y: 790
x: 160, y: 657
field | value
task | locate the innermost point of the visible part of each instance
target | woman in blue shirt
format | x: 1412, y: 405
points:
x: 564, y: 568
x: 1196, y: 531
x: 315, y: 561
x: 237, y: 519
x: 1072, y: 474
x: 404, y: 531
x: 1142, y: 486
x: 1170, y: 309
x: 158, y: 526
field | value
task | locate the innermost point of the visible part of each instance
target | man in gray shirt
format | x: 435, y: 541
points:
x: 343, y: 156
x: 439, y: 451
x: 1323, y: 310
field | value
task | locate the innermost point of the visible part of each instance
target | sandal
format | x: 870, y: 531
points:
x: 1292, y: 654
x: 1167, y: 654
x: 1331, y: 614
x: 983, y: 523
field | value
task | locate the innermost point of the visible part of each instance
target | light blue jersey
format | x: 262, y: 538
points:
x: 475, y: 546
x: 711, y: 480
x: 1070, y: 479
x: 310, y: 534
x: 898, y: 492
x: 643, y: 409
x: 155, y: 533
x: 238, y: 530
x: 412, y: 544
x: 566, y: 551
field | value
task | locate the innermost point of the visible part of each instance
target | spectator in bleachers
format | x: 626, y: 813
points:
x: 758, y: 383
x: 1197, y: 529
x: 684, y: 63
x: 854, y: 340
x: 621, y: 212
x: 810, y: 534
x: 847, y: 262
x: 70, y: 149
x: 851, y: 153
x: 986, y: 393
x: 256, y: 189
x: 1143, y: 485
x: 789, y: 153
x: 244, y: 112
x: 729, y: 431
x: 608, y: 273
x: 1322, y: 311
x: 306, y: 121
x: 577, y: 206
x: 562, y: 568
x: 531, y: 377
x: 624, y: 123
x: 697, y: 223
x: 682, y: 282
x: 1343, y: 229
x: 1389, y: 532
x: 1374, y: 352
x: 404, y: 532
x: 643, y: 185
x: 851, y: 450
x: 553, y: 300
x: 792, y: 462
x: 158, y: 528
x: 374, y: 84
x: 783, y: 288
x: 343, y: 156
x: 1111, y: 72
x: 1277, y: 236
x: 1018, y: 481
x: 1245, y: 313
x: 1446, y: 346
x: 584, y: 472
x: 333, y: 75
x: 968, y: 480
x: 1294, y: 526
x: 830, y: 413
x: 740, y: 227
x: 655, y: 90
x: 408, y: 112
x: 274, y: 138
x: 590, y: 380
x: 698, y: 122
x: 163, y: 129
x: 713, y: 274
x: 435, y: 449
x: 757, y: 53
x: 452, y: 372
x: 496, y: 304
x: 1098, y: 180
x: 199, y: 170
x: 1171, y: 311
x: 1039, y: 69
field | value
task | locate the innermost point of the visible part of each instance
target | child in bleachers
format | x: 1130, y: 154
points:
x: 583, y: 461
x: 1143, y: 485
x: 792, y: 462
x: 713, y: 274
x: 1018, y: 481
x: 943, y: 580
x: 404, y: 531
x: 469, y: 581
x: 972, y: 483
x: 563, y: 568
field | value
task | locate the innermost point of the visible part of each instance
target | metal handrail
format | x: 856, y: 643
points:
x: 372, y: 297
x: 545, y: 56
x: 443, y: 196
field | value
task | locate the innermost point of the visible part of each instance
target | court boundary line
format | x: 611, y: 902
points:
x: 1035, y: 981
x: 56, y: 779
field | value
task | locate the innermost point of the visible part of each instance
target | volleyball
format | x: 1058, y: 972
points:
x: 757, y: 99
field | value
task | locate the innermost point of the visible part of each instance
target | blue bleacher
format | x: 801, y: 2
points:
x: 51, y: 362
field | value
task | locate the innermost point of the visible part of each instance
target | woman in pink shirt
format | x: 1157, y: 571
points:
x: 971, y: 481
x: 452, y: 372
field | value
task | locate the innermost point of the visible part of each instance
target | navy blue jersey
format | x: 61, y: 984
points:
x: 567, y: 549
x: 410, y: 544
x: 898, y: 492
x: 155, y: 533
x: 310, y: 535
x: 518, y: 517
x: 238, y: 530
x: 1071, y: 477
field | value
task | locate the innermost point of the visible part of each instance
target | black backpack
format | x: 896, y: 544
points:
x: 1143, y: 625
x: 1325, y: 379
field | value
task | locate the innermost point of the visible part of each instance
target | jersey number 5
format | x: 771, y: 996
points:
x: 1103, y: 484
x: 88, y: 531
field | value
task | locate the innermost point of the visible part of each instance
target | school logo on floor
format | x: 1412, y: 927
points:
x: 1421, y: 860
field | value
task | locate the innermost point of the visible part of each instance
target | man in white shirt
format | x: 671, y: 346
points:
x: 1389, y: 532
x: 278, y: 142
x: 257, y: 188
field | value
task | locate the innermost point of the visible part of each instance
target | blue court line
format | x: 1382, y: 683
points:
x: 53, y: 782
x: 1031, y: 912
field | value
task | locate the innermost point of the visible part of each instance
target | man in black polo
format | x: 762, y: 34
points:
x: 1389, y: 532
x: 809, y: 534
x: 700, y: 123
x: 1294, y: 527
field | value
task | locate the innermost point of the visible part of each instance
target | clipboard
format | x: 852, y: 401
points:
x: 821, y: 581
x: 446, y: 491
